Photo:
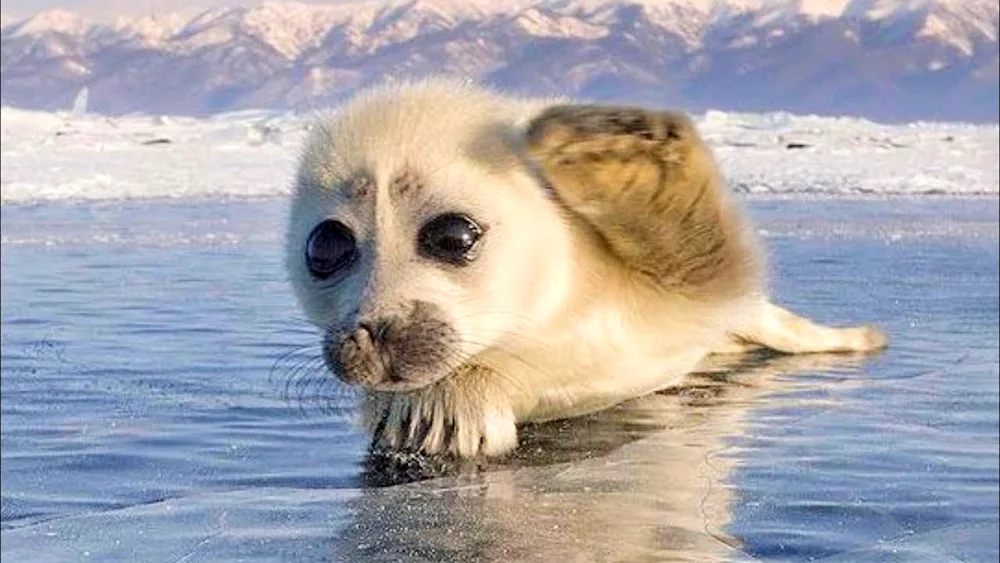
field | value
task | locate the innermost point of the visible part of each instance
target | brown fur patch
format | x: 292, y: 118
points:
x: 359, y: 186
x: 647, y: 183
x: 406, y: 181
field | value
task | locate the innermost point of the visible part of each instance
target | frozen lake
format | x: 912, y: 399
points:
x: 146, y: 415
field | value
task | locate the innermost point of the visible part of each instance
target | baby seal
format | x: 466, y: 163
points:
x: 476, y: 261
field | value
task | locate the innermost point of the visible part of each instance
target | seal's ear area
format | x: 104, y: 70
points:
x: 647, y: 183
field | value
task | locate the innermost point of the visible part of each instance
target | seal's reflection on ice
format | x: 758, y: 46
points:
x: 644, y: 481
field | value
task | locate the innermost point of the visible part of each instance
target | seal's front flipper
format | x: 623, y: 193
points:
x: 781, y: 330
x: 648, y: 185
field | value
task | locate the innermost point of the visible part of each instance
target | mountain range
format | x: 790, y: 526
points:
x: 886, y: 60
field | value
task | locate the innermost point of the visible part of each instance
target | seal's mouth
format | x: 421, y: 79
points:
x: 400, y: 353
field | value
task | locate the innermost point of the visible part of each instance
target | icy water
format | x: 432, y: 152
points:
x: 147, y: 416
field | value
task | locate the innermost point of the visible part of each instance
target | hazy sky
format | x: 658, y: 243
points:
x: 109, y: 9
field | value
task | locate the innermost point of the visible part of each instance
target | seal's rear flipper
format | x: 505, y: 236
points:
x: 779, y: 329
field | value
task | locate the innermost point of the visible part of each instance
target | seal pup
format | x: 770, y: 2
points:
x: 476, y: 261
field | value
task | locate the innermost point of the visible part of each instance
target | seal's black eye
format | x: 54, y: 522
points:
x: 452, y: 238
x: 330, y: 248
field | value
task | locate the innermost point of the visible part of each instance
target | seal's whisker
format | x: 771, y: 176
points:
x: 500, y: 371
x: 298, y: 325
x: 307, y: 377
x: 485, y: 338
x: 298, y: 374
x: 515, y: 335
x: 289, y: 366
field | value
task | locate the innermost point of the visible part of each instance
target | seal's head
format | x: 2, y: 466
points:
x: 418, y: 236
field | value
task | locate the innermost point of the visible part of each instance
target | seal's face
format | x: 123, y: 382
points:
x: 417, y: 241
x: 397, y: 338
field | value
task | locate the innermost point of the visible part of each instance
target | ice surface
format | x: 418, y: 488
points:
x: 149, y: 339
x: 66, y: 157
x: 145, y: 417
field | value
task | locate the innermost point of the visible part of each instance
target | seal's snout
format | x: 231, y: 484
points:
x: 375, y: 331
x: 358, y: 352
x: 392, y: 353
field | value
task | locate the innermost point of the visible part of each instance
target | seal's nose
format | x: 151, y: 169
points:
x: 399, y: 351
x: 376, y: 329
x: 357, y: 357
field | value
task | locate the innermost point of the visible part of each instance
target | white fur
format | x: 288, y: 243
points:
x: 555, y: 324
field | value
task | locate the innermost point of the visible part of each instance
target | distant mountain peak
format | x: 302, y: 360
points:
x: 54, y: 21
x: 884, y: 59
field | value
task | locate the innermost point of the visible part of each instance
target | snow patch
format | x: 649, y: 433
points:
x: 65, y: 157
x: 53, y: 21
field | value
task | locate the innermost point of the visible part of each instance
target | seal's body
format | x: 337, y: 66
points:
x: 477, y: 261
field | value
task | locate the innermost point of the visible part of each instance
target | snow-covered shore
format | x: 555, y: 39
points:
x: 61, y: 157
